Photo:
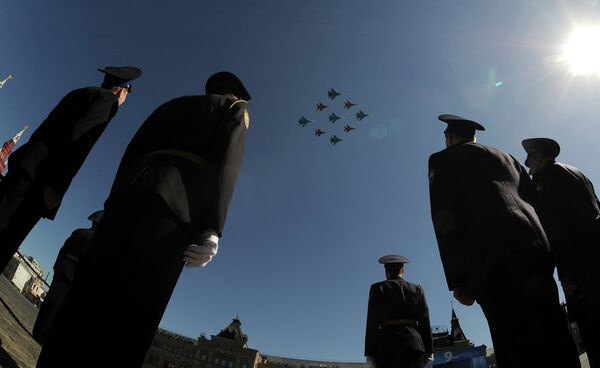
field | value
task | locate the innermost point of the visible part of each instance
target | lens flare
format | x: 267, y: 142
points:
x: 582, y: 51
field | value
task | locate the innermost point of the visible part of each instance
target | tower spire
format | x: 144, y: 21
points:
x: 456, y: 332
x: 8, y: 146
x: 4, y: 80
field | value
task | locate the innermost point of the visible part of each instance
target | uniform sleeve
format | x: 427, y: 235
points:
x: 424, y: 326
x: 65, y: 161
x: 446, y: 189
x: 231, y: 140
x: 526, y: 187
x: 567, y: 210
x: 373, y: 320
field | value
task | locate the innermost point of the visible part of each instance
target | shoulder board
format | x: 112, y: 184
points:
x: 237, y: 102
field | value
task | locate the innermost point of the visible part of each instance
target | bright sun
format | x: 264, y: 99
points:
x: 582, y: 51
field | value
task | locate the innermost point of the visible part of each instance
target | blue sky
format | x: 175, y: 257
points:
x: 308, y: 220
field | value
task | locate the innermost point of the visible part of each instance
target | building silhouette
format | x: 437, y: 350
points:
x: 25, y: 274
x: 229, y: 349
x: 452, y: 349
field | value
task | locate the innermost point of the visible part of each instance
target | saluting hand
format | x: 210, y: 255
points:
x: 200, y: 255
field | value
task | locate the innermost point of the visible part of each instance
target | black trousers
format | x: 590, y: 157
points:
x: 527, y: 323
x: 586, y: 312
x: 122, y: 287
x: 59, y: 289
x: 400, y: 359
x: 20, y: 210
x: 395, y: 349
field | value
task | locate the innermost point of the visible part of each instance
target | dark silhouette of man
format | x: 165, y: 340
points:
x: 494, y: 249
x: 398, y: 330
x: 570, y: 213
x: 64, y: 273
x: 167, y: 209
x: 40, y: 171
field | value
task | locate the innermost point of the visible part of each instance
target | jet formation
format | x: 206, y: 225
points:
x: 332, y: 94
x: 335, y: 140
x: 303, y: 121
x: 333, y: 117
x: 361, y: 115
x: 321, y: 106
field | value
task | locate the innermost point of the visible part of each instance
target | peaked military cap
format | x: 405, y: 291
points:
x: 120, y: 75
x: 459, y: 124
x: 393, y: 259
x: 545, y: 146
x: 225, y: 82
x: 96, y: 216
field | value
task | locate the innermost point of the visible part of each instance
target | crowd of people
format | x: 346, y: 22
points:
x: 501, y: 234
x: 166, y: 210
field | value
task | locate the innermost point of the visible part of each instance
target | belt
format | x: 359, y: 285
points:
x: 142, y: 164
x: 400, y: 323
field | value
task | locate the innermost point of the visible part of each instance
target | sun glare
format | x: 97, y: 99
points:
x: 582, y: 51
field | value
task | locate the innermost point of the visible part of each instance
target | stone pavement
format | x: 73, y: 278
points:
x: 17, y: 316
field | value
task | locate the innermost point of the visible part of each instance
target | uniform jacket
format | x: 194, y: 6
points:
x: 396, y: 299
x: 60, y: 145
x: 570, y: 212
x: 71, y: 252
x: 484, y: 222
x: 189, y: 152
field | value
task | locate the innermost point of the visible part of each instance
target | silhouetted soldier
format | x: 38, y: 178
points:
x: 41, y: 170
x: 570, y: 213
x: 64, y: 273
x: 167, y: 207
x: 494, y: 249
x: 398, y: 330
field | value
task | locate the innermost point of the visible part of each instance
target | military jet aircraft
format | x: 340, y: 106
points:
x: 348, y: 128
x: 333, y: 117
x: 361, y: 115
x: 4, y: 81
x: 335, y: 140
x: 348, y: 104
x: 319, y: 132
x: 303, y: 121
x: 332, y: 93
x: 321, y: 107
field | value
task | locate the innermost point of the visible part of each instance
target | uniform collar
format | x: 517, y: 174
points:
x: 395, y: 278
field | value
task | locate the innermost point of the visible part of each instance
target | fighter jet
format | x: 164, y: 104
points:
x: 361, y: 115
x: 348, y: 104
x: 332, y: 93
x: 333, y: 117
x: 335, y: 140
x: 4, y: 81
x: 319, y: 132
x: 348, y: 128
x: 303, y: 121
x: 321, y: 107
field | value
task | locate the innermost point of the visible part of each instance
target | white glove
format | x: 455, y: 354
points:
x: 370, y: 361
x: 200, y: 255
